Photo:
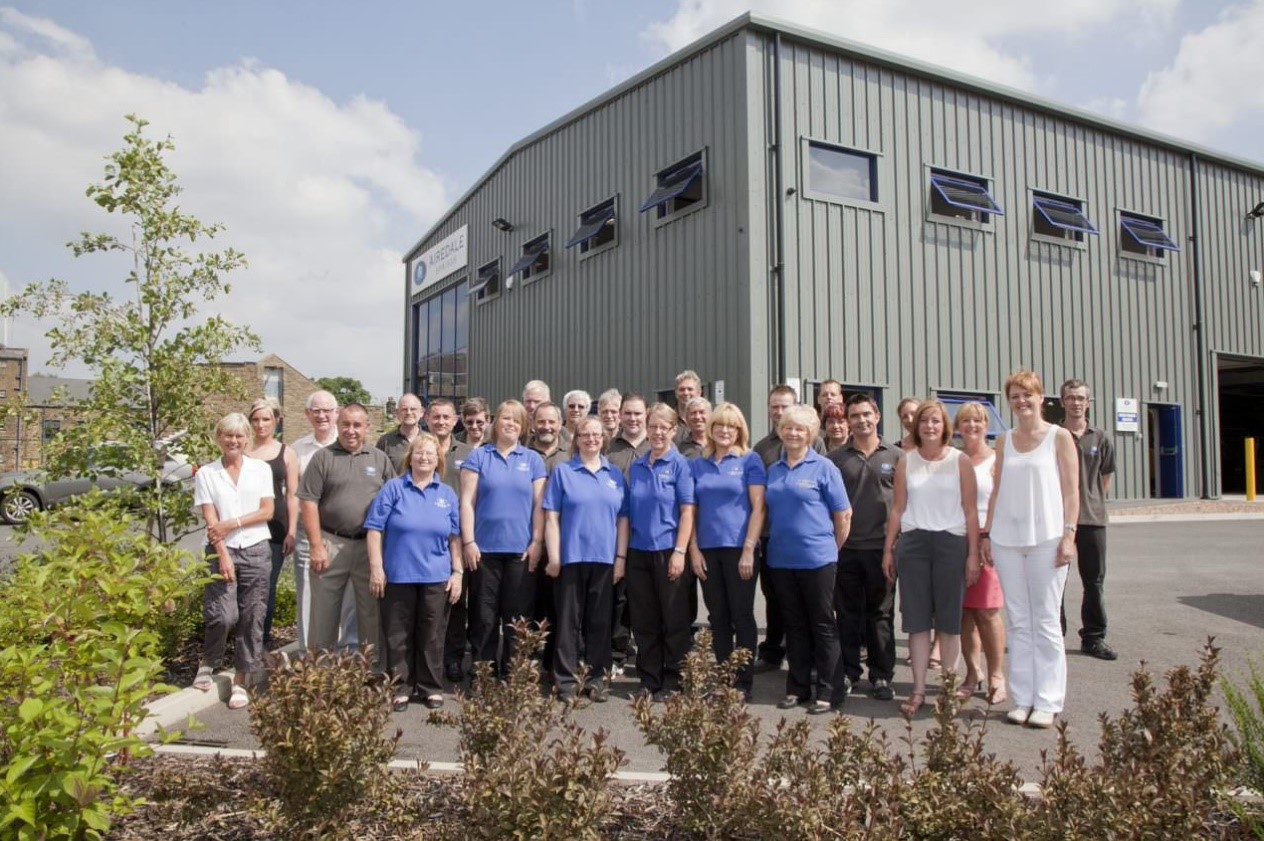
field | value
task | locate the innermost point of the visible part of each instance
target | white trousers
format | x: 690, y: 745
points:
x: 348, y: 636
x: 1033, y: 586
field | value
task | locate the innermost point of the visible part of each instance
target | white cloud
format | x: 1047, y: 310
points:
x: 964, y: 36
x: 322, y: 196
x: 1214, y: 82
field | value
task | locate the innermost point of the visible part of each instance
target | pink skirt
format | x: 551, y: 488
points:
x: 985, y: 594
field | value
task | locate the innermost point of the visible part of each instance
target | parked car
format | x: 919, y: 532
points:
x: 23, y: 492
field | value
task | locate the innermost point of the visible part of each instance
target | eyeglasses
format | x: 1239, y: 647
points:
x: 318, y: 411
x: 590, y: 435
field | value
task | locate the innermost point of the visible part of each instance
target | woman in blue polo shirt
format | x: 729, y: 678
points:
x: 729, y: 482
x: 413, y: 538
x: 660, y: 522
x: 809, y: 517
x: 586, y: 531
x: 502, y: 531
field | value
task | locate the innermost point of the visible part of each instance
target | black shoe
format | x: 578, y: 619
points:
x: 1098, y: 649
x: 434, y: 702
x: 662, y: 695
x: 789, y: 702
x: 881, y: 690
x: 820, y: 708
x: 762, y: 666
x: 598, y: 694
x: 400, y: 704
x: 453, y: 672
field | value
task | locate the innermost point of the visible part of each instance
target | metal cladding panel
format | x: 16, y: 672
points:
x: 881, y: 294
x: 670, y: 295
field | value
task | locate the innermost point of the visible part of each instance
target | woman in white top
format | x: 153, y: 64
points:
x: 982, y: 627
x: 933, y: 513
x: 235, y: 495
x: 1030, y: 536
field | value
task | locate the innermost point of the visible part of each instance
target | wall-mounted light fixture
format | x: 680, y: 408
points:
x: 501, y: 224
x: 1160, y: 385
x: 1256, y: 212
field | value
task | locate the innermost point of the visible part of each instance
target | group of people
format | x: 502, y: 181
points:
x: 607, y: 521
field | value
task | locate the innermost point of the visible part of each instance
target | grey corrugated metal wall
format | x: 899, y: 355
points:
x: 883, y: 296
x: 667, y: 297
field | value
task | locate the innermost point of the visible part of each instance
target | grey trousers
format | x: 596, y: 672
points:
x: 303, y: 595
x: 242, y: 604
x: 348, y: 564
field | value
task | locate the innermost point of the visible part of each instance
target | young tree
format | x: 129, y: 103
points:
x: 346, y: 389
x: 154, y: 354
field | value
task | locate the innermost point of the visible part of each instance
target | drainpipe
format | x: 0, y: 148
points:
x: 1200, y: 338
x: 779, y: 222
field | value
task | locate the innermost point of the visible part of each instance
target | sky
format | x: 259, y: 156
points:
x: 328, y: 137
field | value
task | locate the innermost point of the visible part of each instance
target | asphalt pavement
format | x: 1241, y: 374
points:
x: 1169, y: 586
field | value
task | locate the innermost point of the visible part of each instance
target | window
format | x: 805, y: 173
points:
x: 487, y: 283
x: 963, y: 197
x: 598, y: 228
x: 679, y: 188
x: 274, y: 387
x: 534, y: 261
x: 440, y: 352
x: 49, y: 430
x: 1143, y: 236
x: 835, y: 173
x: 954, y: 400
x: 1059, y: 218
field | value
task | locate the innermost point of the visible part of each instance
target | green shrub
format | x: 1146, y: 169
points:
x: 286, y: 613
x: 1247, y: 708
x: 322, y: 723
x: 530, y: 771
x: 81, y: 624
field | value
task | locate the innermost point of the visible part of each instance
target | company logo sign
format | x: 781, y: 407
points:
x: 450, y: 254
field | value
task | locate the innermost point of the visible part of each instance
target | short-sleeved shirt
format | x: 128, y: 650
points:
x: 305, y: 448
x: 395, y: 445
x: 590, y: 504
x: 553, y: 459
x: 870, y: 483
x: 343, y: 485
x: 505, y: 498
x: 655, y: 493
x: 621, y: 453
x: 416, y: 525
x: 1097, y: 461
x: 801, y: 503
x: 452, y: 462
x: 213, y: 486
x: 722, y: 491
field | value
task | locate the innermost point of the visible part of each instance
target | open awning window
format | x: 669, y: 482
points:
x: 1064, y: 215
x: 673, y: 185
x: 1147, y: 234
x: 530, y: 255
x: 487, y: 281
x: 591, y: 224
x: 967, y: 195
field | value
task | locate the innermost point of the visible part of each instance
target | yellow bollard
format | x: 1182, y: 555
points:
x: 1250, y: 470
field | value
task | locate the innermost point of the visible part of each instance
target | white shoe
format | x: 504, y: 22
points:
x: 616, y: 670
x: 1040, y: 719
x: 1018, y: 715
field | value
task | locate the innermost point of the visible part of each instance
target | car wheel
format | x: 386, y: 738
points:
x: 17, y: 507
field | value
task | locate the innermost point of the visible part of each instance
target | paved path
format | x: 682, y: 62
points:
x: 1169, y: 586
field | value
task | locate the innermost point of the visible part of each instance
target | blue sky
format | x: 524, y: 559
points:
x: 329, y: 136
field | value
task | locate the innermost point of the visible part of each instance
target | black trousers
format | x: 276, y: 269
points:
x: 864, y: 602
x: 504, y: 591
x: 545, y: 609
x: 731, y: 605
x: 807, y: 609
x: 583, y: 593
x: 773, y: 647
x: 621, y: 622
x: 661, y: 621
x: 458, y: 633
x: 1090, y: 550
x: 414, y: 620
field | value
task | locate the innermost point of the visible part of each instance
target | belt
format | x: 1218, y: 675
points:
x: 354, y: 535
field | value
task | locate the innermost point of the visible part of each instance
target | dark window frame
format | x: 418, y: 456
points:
x: 489, y: 282
x: 811, y: 192
x: 944, y: 205
x: 1065, y: 230
x: 607, y: 211
x: 668, y: 200
x: 529, y: 266
x: 954, y: 399
x: 1134, y: 227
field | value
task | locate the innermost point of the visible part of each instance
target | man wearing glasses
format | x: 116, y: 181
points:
x: 1097, y: 470
x: 395, y: 443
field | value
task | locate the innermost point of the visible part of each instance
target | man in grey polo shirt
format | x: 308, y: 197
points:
x: 334, y: 495
x: 1097, y: 471
x: 863, y: 599
x: 546, y: 425
x: 395, y: 443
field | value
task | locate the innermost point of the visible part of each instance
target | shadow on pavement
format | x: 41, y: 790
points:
x: 1236, y: 606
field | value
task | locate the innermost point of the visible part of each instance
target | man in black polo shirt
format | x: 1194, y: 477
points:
x: 631, y: 443
x: 337, y: 488
x: 546, y: 426
x: 862, y: 596
x: 1097, y: 471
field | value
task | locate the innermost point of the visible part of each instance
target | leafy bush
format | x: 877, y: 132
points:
x: 1247, y: 707
x: 530, y: 771
x: 321, y: 723
x: 286, y: 601
x: 81, y: 624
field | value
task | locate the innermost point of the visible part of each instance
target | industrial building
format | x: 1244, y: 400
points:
x: 773, y: 204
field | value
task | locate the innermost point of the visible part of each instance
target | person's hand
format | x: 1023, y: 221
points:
x: 676, y: 566
x: 220, y: 531
x: 973, y: 568
x: 227, y: 570
x: 985, y: 552
x: 377, y: 582
x: 620, y: 567
x: 553, y: 569
x: 318, y: 561
x: 532, y: 555
x: 287, y: 546
x: 472, y: 555
x: 1066, y: 551
x: 699, y: 564
x: 888, y: 566
x: 746, y: 565
x: 455, y: 580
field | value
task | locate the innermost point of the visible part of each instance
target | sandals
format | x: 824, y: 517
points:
x: 967, y: 690
x: 239, y: 699
x: 205, y: 679
x: 996, y: 695
x: 400, y: 703
x: 914, y: 703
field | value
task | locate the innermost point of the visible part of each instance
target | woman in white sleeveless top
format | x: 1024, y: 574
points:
x: 935, y: 517
x: 1030, y: 536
